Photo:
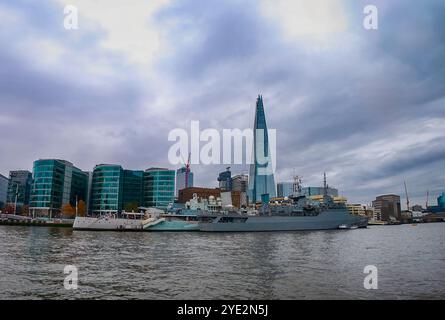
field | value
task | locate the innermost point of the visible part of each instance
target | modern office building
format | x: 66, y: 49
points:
x: 181, y: 179
x: 240, y: 183
x: 55, y: 183
x: 159, y: 187
x: 113, y: 189
x: 319, y: 191
x: 440, y: 205
x: 133, y: 189
x: 356, y: 209
x: 387, y: 207
x: 19, y: 188
x: 225, y: 180
x: 261, y: 177
x: 285, y: 189
x: 4, y: 182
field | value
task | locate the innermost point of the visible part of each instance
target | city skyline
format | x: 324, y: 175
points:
x: 364, y: 106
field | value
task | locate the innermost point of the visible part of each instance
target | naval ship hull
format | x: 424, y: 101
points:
x: 327, y: 220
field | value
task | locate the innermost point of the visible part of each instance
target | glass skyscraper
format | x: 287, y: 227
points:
x: 159, y: 187
x: 107, y: 188
x: 261, y: 177
x: 180, y: 179
x: 3, y: 190
x: 56, y: 182
x: 133, y: 188
x: 20, y: 183
x: 285, y: 189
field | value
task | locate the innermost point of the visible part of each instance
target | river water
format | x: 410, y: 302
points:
x: 410, y: 263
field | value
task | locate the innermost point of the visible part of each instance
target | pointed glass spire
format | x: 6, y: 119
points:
x: 261, y: 178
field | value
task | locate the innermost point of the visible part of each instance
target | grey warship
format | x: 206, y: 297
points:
x: 296, y: 213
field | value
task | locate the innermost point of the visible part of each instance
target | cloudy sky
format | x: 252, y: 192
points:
x: 366, y: 106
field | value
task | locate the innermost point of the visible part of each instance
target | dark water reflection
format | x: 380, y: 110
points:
x: 291, y: 265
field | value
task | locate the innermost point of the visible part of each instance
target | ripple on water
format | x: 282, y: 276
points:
x: 288, y: 265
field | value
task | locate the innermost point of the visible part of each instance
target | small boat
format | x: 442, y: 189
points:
x: 126, y: 221
x: 343, y: 226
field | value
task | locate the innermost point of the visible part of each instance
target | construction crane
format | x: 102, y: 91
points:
x: 187, y: 170
x: 407, y: 198
x: 427, y: 196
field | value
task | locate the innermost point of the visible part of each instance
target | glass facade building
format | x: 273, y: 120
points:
x: 180, y: 180
x: 159, y: 187
x: 107, y: 188
x: 285, y: 189
x: 261, y: 177
x: 113, y: 188
x: 20, y: 183
x: 4, y: 182
x: 225, y: 180
x: 133, y: 186
x: 55, y: 183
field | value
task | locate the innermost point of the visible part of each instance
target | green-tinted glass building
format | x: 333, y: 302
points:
x: 107, y: 187
x: 113, y: 188
x: 159, y: 187
x: 55, y: 183
x: 133, y: 187
x: 19, y: 187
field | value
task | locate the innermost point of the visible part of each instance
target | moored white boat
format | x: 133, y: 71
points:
x: 111, y: 222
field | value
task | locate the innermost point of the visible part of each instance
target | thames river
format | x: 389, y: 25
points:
x: 410, y: 263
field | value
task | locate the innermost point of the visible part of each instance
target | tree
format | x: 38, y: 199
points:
x: 25, y: 210
x: 68, y: 210
x: 81, y: 208
x: 9, y: 209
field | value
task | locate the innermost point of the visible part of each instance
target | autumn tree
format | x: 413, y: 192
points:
x: 68, y: 210
x: 9, y: 209
x: 25, y: 210
x: 81, y: 208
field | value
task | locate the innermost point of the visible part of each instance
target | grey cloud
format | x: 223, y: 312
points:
x: 327, y: 105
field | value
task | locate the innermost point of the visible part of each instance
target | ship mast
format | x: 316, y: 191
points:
x: 296, y: 187
x: 325, y: 188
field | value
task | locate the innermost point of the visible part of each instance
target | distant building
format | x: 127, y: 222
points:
x: 440, y: 205
x: 159, y: 187
x: 3, y: 190
x: 19, y: 188
x: 387, y: 208
x: 320, y: 199
x: 417, y: 208
x: 356, y: 209
x: 317, y: 191
x: 56, y: 183
x: 180, y: 180
x: 225, y: 180
x: 285, y: 189
x: 240, y: 183
x: 203, y: 193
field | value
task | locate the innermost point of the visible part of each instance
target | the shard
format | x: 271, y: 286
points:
x: 261, y: 178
